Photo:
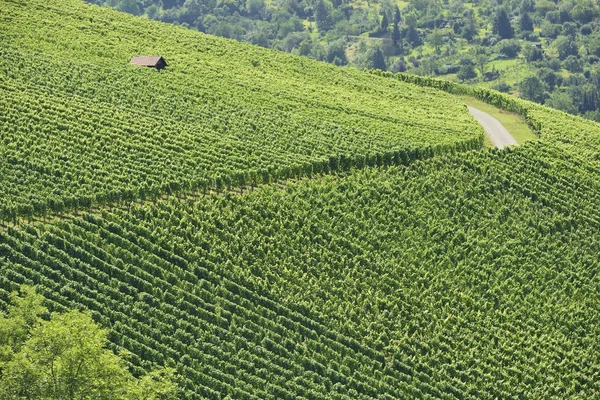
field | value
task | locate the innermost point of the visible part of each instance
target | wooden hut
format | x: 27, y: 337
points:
x: 149, y: 61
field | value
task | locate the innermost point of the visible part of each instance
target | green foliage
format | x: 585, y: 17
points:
x: 65, y: 358
x: 566, y: 46
x: 502, y: 87
x: 532, y: 53
x: 584, y: 12
x: 565, y: 29
x: 364, y: 279
x: 502, y: 25
x: 413, y: 269
x: 572, y: 64
x: 396, y: 37
x: 467, y: 69
x: 531, y: 88
x: 525, y: 23
x: 412, y: 35
x: 323, y: 15
x: 128, y: 6
x: 549, y: 77
x: 378, y: 60
x: 385, y: 23
x: 509, y: 48
x: 561, y: 101
x: 436, y: 39
x: 109, y: 133
x: 481, y: 60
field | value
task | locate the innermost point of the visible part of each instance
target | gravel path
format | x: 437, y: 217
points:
x: 493, y: 128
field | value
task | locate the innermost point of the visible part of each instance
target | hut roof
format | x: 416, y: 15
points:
x: 147, y: 61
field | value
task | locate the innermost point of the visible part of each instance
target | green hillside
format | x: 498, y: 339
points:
x: 277, y: 228
x: 81, y: 126
x: 464, y: 277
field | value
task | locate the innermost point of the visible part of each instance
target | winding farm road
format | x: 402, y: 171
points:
x: 493, y: 128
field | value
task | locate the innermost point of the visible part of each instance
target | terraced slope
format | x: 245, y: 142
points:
x: 80, y: 126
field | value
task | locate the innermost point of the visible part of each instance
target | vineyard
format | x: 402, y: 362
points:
x: 278, y: 228
x: 462, y: 277
x: 81, y: 127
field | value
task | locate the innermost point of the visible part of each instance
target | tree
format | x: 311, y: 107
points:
x: 190, y: 12
x: 436, y: 39
x: 502, y: 87
x: 412, y: 35
x: 129, y: 6
x: 549, y: 30
x: 527, y: 6
x: 469, y: 30
x: 547, y: 76
x: 572, y: 64
x: 561, y: 101
x: 323, y: 15
x: 531, y: 88
x: 543, y: 7
x: 305, y: 47
x: 592, y: 115
x: 467, y: 70
x: 397, y: 16
x: 254, y: 8
x: 396, y: 38
x: 430, y: 66
x: 532, y: 53
x: 594, y: 44
x: 502, y: 26
x: 337, y: 50
x: 379, y: 60
x: 168, y: 4
x: 570, y: 29
x: 65, y: 357
x: 590, y: 100
x: 566, y: 46
x: 584, y: 13
x: 481, y: 59
x: 399, y: 66
x: 525, y: 23
x: 385, y: 23
x: 509, y: 48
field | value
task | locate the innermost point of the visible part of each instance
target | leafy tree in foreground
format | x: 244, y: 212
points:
x: 65, y: 358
